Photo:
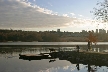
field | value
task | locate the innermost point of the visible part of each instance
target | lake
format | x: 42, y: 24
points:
x: 10, y: 61
x: 50, y: 43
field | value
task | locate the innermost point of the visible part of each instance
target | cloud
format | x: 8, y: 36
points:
x: 34, y: 0
x: 50, y: 4
x: 72, y: 14
x: 23, y: 14
x: 46, y: 11
x: 65, y: 15
x: 80, y: 15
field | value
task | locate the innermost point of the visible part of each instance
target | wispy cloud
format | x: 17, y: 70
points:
x: 65, y: 15
x: 34, y: 0
x: 72, y: 14
x: 50, y: 4
x: 24, y: 14
x: 80, y: 15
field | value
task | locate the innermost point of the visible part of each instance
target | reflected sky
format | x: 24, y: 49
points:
x: 10, y: 62
x: 16, y: 65
x: 68, y: 68
x: 73, y: 69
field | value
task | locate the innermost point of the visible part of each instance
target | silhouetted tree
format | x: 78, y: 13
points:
x: 101, y: 13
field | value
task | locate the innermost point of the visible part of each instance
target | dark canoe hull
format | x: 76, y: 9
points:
x: 36, y: 57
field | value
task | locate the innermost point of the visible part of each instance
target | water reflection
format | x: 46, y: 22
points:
x: 63, y: 60
x: 71, y: 68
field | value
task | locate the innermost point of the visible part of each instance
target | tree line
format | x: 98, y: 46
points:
x: 47, y: 36
x: 27, y: 36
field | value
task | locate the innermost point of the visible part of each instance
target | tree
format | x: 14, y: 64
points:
x: 101, y: 13
x: 92, y: 38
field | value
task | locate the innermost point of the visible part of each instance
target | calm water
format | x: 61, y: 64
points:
x: 10, y: 60
x: 50, y: 43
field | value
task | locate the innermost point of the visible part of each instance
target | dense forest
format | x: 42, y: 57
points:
x: 27, y: 36
x: 49, y: 36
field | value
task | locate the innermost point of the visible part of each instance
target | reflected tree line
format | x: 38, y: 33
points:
x: 18, y: 50
x: 91, y: 60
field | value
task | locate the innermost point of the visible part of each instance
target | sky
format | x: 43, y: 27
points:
x: 44, y: 15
